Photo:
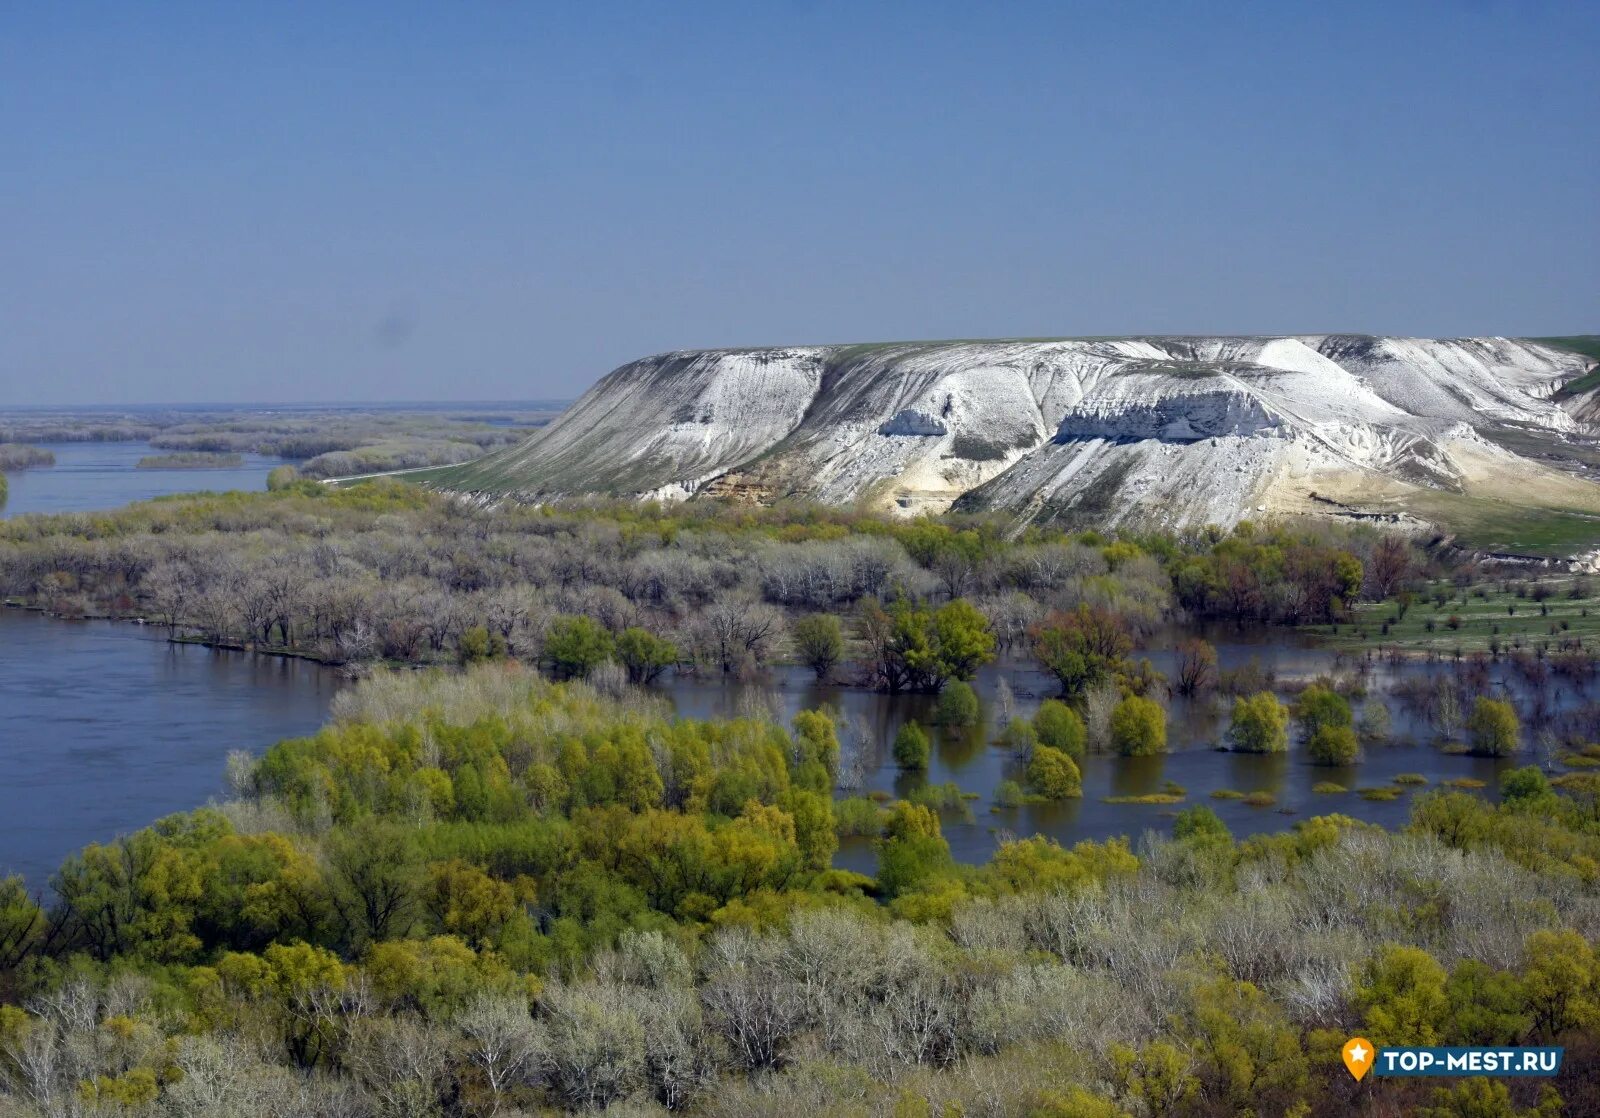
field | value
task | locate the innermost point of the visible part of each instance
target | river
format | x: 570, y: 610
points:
x: 105, y: 727
x: 88, y: 477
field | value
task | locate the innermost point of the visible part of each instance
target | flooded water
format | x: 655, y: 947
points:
x: 972, y: 759
x: 105, y: 727
x: 89, y: 477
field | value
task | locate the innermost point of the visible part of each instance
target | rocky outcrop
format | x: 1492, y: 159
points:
x: 1170, y: 430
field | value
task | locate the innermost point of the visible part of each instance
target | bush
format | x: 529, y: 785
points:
x: 1374, y: 723
x: 478, y: 644
x: 281, y: 477
x: 911, y: 750
x: 857, y: 815
x: 1201, y: 824
x: 1260, y: 724
x: 957, y: 706
x: 1138, y: 727
x: 1319, y: 706
x: 1008, y: 793
x: 1058, y: 726
x: 645, y: 655
x: 576, y: 645
x: 819, y: 642
x: 1019, y: 739
x: 1493, y: 729
x: 1333, y: 745
x: 1054, y: 775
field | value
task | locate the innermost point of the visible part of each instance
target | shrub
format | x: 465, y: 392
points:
x: 1333, y: 745
x: 1058, y: 726
x: 281, y: 477
x: 1138, y: 727
x: 857, y: 815
x: 1373, y: 725
x: 1019, y: 739
x: 957, y: 706
x: 478, y: 644
x: 1200, y: 824
x: 1260, y: 724
x: 1008, y: 793
x: 1493, y: 728
x: 1053, y: 774
x: 819, y: 642
x: 645, y: 655
x: 911, y: 749
x: 1328, y: 788
x: 574, y: 646
x: 1319, y: 706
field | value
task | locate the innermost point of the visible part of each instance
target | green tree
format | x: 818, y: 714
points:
x: 644, y: 655
x: 1260, y: 724
x: 819, y: 642
x: 375, y: 871
x: 1054, y: 775
x: 1402, y: 996
x: 1527, y: 789
x: 1561, y: 978
x: 913, y: 851
x: 478, y: 644
x: 1320, y: 706
x: 964, y: 641
x: 574, y: 646
x: 1082, y: 648
x: 281, y: 477
x: 918, y: 650
x: 958, y: 705
x: 1487, y: 1006
x: 1138, y: 727
x: 1059, y: 726
x: 1493, y: 728
x: 1201, y: 825
x: 1333, y: 745
x: 911, y: 748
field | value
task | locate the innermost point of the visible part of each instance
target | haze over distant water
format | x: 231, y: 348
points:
x: 365, y: 202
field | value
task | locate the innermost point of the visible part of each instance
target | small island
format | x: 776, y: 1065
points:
x: 20, y: 456
x: 190, y: 460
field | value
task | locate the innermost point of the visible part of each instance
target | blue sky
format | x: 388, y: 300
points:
x: 222, y: 202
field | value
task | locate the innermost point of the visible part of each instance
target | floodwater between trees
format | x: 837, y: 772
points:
x: 106, y: 727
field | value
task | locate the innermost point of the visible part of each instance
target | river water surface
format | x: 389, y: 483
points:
x: 89, y: 477
x: 105, y: 727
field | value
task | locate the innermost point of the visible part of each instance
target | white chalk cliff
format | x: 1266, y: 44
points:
x: 1161, y: 430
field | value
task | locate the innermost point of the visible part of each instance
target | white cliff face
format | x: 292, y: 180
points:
x: 1179, y: 430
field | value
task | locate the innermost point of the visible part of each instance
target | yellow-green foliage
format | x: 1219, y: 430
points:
x: 1053, y: 774
x: 1260, y: 724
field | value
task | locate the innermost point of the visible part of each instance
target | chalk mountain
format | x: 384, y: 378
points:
x: 1172, y: 431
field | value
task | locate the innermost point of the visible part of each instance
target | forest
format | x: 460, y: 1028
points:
x: 484, y: 893
x: 506, y: 879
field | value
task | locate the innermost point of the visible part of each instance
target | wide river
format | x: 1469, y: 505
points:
x: 89, y: 477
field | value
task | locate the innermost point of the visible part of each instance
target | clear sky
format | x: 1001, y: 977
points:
x: 340, y: 201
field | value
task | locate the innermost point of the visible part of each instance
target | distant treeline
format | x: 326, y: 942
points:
x: 189, y: 460
x: 392, y: 572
